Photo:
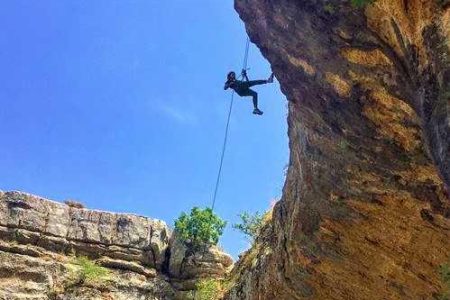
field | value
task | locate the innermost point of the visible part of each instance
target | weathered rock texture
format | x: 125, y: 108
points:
x: 39, y: 240
x: 365, y: 208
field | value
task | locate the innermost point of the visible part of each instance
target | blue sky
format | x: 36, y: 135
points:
x: 120, y: 104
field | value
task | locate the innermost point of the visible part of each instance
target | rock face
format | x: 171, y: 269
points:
x: 51, y: 225
x: 189, y: 265
x: 39, y: 240
x: 365, y: 208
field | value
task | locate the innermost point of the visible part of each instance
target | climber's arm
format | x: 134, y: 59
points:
x: 244, y: 75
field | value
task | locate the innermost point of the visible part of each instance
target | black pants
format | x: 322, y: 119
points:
x: 246, y: 91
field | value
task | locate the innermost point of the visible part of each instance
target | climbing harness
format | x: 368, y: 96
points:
x: 225, y: 140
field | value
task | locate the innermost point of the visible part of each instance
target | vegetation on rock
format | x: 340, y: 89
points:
x: 250, y: 224
x: 445, y: 275
x: 360, y: 2
x: 90, y: 271
x: 201, y: 227
x: 209, y: 289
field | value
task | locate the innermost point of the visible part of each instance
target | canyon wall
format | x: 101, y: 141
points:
x: 365, y: 212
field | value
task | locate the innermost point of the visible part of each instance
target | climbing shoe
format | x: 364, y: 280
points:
x: 256, y: 111
x: 270, y: 79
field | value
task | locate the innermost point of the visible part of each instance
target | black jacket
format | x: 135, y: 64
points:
x: 238, y: 86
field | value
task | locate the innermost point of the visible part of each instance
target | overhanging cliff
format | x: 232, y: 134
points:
x: 365, y: 208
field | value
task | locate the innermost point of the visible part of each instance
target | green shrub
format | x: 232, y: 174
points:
x: 343, y: 145
x: 444, y: 270
x: 201, y: 227
x: 445, y: 274
x: 360, y: 3
x: 329, y: 8
x: 90, y: 271
x: 208, y: 289
x: 250, y: 225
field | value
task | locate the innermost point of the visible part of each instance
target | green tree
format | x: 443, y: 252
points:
x: 201, y: 227
x: 250, y: 224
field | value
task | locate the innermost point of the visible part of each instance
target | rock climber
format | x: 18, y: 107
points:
x: 242, y: 87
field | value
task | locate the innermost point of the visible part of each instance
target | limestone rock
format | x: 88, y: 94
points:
x: 39, y: 238
x: 96, y: 233
x: 189, y: 263
x: 26, y: 277
x: 368, y: 124
x: 126, y: 265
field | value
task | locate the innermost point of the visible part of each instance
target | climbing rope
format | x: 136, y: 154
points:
x: 225, y: 140
x: 247, y: 45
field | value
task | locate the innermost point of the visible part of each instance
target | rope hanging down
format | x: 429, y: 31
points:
x: 224, y: 146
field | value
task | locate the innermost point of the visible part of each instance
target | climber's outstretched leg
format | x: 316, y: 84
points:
x: 259, y: 82
x: 256, y: 82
